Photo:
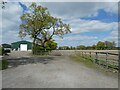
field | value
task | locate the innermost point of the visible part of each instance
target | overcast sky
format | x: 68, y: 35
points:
x: 90, y: 21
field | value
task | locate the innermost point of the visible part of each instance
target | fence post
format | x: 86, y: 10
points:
x: 90, y: 54
x: 96, y: 57
x: 81, y: 53
x: 106, y: 60
x: 90, y: 57
x: 85, y: 53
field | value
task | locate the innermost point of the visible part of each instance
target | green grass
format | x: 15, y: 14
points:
x: 3, y: 64
x: 88, y: 62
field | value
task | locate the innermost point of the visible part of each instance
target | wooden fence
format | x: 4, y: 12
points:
x: 105, y: 59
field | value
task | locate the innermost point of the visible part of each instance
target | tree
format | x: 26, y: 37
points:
x: 93, y: 47
x: 1, y: 50
x: 105, y: 45
x: 81, y: 47
x: 51, y: 45
x: 88, y: 48
x: 71, y: 47
x: 109, y: 45
x: 60, y: 48
x: 41, y: 26
x: 100, y: 45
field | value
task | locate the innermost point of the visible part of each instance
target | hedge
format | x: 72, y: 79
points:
x: 38, y: 50
x: 3, y: 64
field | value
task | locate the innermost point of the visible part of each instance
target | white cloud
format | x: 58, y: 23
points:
x: 112, y: 37
x: 10, y: 22
x: 75, y: 40
x: 76, y: 37
x: 79, y: 9
x: 80, y: 26
x: 70, y: 12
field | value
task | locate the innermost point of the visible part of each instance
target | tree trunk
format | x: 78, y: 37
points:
x: 33, y: 44
x: 43, y: 45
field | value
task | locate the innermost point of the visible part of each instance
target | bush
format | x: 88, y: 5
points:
x: 2, y: 51
x: 39, y: 50
x: 3, y: 64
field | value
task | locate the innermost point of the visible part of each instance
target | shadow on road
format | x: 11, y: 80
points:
x: 14, y: 62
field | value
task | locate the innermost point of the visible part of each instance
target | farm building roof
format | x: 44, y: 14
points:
x: 6, y: 45
x: 17, y: 44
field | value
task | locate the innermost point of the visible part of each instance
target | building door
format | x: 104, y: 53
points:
x: 23, y: 47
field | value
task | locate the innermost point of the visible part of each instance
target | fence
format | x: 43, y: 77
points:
x: 105, y: 59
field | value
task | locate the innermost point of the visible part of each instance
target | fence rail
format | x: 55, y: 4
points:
x: 105, y: 59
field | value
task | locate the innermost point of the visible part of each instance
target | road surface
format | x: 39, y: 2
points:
x: 60, y: 72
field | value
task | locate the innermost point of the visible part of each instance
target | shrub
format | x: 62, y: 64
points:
x: 50, y: 45
x: 39, y: 50
x: 3, y: 64
x: 2, y: 51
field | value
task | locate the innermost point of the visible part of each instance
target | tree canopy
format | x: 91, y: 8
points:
x: 41, y: 26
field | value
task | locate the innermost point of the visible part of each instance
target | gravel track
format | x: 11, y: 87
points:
x: 60, y: 72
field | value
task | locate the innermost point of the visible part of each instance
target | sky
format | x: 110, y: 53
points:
x: 90, y: 21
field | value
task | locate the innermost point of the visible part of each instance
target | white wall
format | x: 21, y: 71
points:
x: 23, y: 47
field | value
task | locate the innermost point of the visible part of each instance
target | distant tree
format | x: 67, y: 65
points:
x: 81, y: 47
x: 100, y: 45
x: 71, y: 47
x: 40, y: 25
x: 74, y: 48
x: 93, y: 47
x: 110, y: 45
x: 64, y: 48
x: 68, y: 48
x: 89, y: 48
x: 105, y: 45
x: 60, y: 48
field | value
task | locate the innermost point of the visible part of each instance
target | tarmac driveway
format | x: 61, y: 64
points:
x: 59, y: 72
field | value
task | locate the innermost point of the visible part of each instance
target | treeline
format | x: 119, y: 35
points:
x: 107, y: 45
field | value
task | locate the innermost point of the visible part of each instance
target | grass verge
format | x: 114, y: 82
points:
x: 86, y: 61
